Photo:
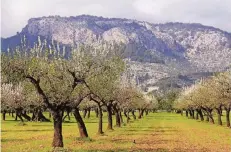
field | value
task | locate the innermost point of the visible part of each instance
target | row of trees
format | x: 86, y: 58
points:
x: 48, y: 78
x: 207, y: 97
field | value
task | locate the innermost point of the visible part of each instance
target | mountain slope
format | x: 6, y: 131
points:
x: 177, y: 47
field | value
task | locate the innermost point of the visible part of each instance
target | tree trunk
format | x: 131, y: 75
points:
x: 82, y: 128
x: 211, y: 120
x: 117, y: 115
x: 4, y: 115
x: 207, y: 118
x: 141, y: 114
x: 125, y: 113
x: 109, y: 115
x: 200, y: 114
x: 146, y: 112
x: 197, y: 116
x: 210, y: 116
x: 133, y: 114
x: 16, y: 118
x: 193, y: 114
x: 33, y: 118
x: 227, y: 117
x: 18, y: 115
x: 58, y: 137
x: 96, y: 112
x: 128, y: 118
x: 38, y: 116
x: 219, y: 116
x: 67, y: 115
x: 28, y: 118
x: 121, y: 117
x: 42, y: 117
x: 100, y: 127
x: 84, y: 113
x: 89, y: 112
x: 12, y: 114
x: 186, y: 113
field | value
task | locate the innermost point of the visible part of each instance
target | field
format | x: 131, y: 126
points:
x: 160, y: 132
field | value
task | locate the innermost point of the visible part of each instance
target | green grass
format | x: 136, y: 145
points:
x: 160, y: 132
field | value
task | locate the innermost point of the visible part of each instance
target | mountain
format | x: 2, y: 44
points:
x: 155, y: 51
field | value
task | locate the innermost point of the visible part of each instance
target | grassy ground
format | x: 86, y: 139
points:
x: 160, y: 132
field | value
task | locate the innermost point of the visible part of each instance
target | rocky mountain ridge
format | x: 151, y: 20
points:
x: 159, y: 50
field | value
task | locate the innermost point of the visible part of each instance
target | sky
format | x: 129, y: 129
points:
x: 217, y: 13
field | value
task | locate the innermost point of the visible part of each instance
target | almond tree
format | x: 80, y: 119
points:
x: 209, y: 94
x: 126, y: 98
x: 54, y: 75
x: 222, y: 89
x: 188, y: 101
x: 103, y: 87
x: 12, y: 96
x: 214, y: 95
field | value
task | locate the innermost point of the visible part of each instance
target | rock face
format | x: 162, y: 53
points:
x: 156, y: 50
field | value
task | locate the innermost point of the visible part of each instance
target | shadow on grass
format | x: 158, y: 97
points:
x: 141, y: 150
x: 67, y: 122
x: 13, y: 140
x: 34, y: 130
x: 87, y: 139
x: 151, y: 129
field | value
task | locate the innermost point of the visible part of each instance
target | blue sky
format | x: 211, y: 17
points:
x: 217, y: 13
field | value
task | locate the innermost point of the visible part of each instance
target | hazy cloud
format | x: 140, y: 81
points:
x: 217, y: 13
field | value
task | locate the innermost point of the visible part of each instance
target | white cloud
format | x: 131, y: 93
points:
x: 15, y: 13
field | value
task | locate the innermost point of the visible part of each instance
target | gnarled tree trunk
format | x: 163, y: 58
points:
x: 84, y: 113
x: 81, y: 125
x: 121, y: 117
x: 186, y: 113
x: 200, y: 114
x: 219, y: 113
x: 3, y: 115
x: 49, y: 115
x: 117, y: 115
x: 89, y: 112
x: 96, y: 112
x: 38, y: 116
x: 19, y: 115
x: 128, y: 118
x: 133, y: 114
x: 67, y: 115
x: 141, y: 113
x: 209, y: 112
x: 12, y: 114
x: 191, y: 113
x: 25, y: 116
x: 58, y: 137
x: 146, y: 112
x: 109, y: 116
x: 197, y: 116
x: 100, y: 127
x: 227, y: 117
